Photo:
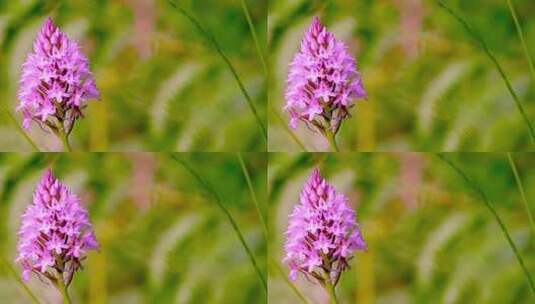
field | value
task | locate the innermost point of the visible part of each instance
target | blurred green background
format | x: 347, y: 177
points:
x: 163, y: 86
x: 430, y: 86
x: 163, y: 239
x: 430, y: 238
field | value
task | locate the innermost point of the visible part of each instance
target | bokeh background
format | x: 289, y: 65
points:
x: 430, y: 238
x: 162, y: 237
x: 163, y: 86
x: 430, y: 86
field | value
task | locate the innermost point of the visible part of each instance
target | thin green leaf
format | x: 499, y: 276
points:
x: 485, y: 48
x: 281, y: 273
x: 233, y: 223
x: 255, y: 38
x: 20, y: 130
x: 12, y: 271
x: 521, y: 190
x: 477, y: 189
x: 214, y: 43
x: 253, y: 195
x: 522, y: 39
x: 287, y: 129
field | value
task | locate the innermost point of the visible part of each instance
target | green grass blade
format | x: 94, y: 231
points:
x: 522, y: 39
x: 477, y: 189
x: 292, y: 286
x: 222, y: 207
x: 214, y: 43
x: 255, y: 37
x: 253, y: 195
x: 20, y: 130
x: 287, y: 129
x: 12, y: 271
x: 485, y: 48
x: 264, y: 65
x: 521, y: 190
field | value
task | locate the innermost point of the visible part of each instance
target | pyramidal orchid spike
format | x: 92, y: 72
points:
x: 323, y: 81
x: 322, y: 233
x: 56, y: 82
x: 55, y: 233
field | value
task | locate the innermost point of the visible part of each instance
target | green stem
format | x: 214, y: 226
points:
x: 330, y: 136
x: 521, y: 190
x: 225, y: 211
x: 255, y: 38
x: 64, y: 140
x: 485, y: 48
x: 522, y: 40
x: 20, y: 130
x: 216, y: 46
x: 476, y: 188
x: 63, y: 289
x: 65, y: 293
x: 332, y: 293
x: 17, y: 278
x: 276, y: 266
x: 287, y: 129
x: 253, y: 195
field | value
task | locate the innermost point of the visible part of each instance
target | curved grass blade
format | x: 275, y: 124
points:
x: 477, y: 189
x: 219, y: 203
x: 522, y: 39
x: 214, y: 43
x: 287, y: 129
x: 20, y: 130
x: 253, y: 195
x: 521, y: 190
x: 12, y: 271
x: 279, y: 271
x: 255, y: 38
x: 485, y: 48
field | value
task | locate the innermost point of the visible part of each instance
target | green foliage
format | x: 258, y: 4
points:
x: 431, y: 238
x: 431, y: 87
x: 163, y: 86
x: 163, y: 239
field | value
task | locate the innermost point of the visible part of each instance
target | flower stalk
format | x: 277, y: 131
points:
x: 332, y: 293
x: 64, y: 137
x: 330, y: 136
x: 64, y: 290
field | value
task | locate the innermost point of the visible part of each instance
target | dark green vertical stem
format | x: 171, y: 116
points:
x: 521, y: 190
x: 216, y: 46
x: 255, y: 38
x: 253, y: 195
x: 477, y: 189
x: 487, y: 51
x: 522, y: 39
x: 225, y: 211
